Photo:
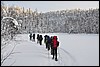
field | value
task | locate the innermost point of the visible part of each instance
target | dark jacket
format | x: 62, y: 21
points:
x: 33, y: 36
x: 40, y: 38
x: 37, y: 36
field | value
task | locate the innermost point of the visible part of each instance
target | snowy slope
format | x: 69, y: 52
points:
x: 74, y: 49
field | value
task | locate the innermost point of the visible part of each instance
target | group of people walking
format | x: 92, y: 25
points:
x: 32, y: 36
x: 51, y: 43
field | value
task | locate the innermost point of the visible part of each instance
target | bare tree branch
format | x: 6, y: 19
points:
x: 2, y: 61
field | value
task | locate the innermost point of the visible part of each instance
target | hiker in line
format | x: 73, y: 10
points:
x: 51, y: 45
x: 48, y: 42
x: 37, y: 38
x: 33, y: 37
x: 30, y: 36
x: 40, y: 39
x: 45, y: 40
x: 55, y: 45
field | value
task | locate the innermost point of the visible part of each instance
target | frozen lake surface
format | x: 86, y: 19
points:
x: 74, y: 50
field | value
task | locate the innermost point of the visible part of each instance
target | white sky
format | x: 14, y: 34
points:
x: 46, y: 6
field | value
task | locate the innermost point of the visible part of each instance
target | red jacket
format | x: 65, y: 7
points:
x: 55, y: 42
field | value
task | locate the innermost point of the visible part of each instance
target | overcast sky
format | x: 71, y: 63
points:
x: 46, y: 6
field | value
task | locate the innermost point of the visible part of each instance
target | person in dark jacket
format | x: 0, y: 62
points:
x: 48, y: 42
x: 33, y: 37
x: 51, y: 45
x: 45, y: 40
x: 30, y: 36
x: 40, y: 39
x: 55, y: 45
x: 37, y: 38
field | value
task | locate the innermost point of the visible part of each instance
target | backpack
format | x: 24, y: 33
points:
x: 49, y: 39
x: 57, y: 43
x: 40, y: 38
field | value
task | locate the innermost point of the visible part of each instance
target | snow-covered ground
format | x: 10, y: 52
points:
x: 74, y: 50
